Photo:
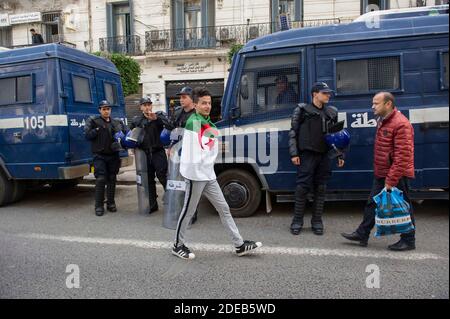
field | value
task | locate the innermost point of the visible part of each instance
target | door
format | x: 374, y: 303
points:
x: 81, y: 101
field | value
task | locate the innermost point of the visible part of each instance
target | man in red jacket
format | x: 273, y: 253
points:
x: 393, y: 166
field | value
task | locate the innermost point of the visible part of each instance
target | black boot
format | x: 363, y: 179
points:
x: 100, y: 195
x: 152, y: 197
x: 319, y: 201
x: 299, y: 210
x: 110, y: 194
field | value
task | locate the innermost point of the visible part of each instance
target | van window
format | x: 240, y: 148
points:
x: 110, y: 93
x: 81, y: 89
x: 367, y: 75
x: 269, y: 84
x: 445, y: 69
x: 16, y: 90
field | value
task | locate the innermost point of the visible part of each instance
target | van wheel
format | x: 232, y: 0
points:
x: 6, y: 189
x: 18, y: 190
x: 242, y: 192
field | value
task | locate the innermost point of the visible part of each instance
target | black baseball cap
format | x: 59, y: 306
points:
x: 321, y: 87
x: 104, y: 103
x: 144, y: 100
x: 185, y: 91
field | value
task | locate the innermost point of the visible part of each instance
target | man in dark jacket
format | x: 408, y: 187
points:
x: 100, y: 131
x: 393, y: 166
x: 152, y: 125
x: 187, y: 107
x: 308, y: 150
x: 36, y: 38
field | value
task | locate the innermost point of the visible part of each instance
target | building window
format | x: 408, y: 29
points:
x: 269, y: 85
x: 52, y: 23
x: 368, y: 75
x: 111, y: 93
x: 16, y: 90
x: 374, y: 5
x: 6, y: 37
x: 444, y: 68
x: 294, y: 8
x: 81, y: 89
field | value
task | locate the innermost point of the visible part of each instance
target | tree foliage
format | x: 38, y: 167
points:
x: 130, y: 71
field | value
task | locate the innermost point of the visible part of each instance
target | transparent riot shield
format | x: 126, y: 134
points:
x: 142, y: 181
x: 175, y: 190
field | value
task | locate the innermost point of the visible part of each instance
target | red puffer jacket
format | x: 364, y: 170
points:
x: 394, y: 149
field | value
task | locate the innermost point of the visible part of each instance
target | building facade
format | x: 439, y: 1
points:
x: 176, y: 42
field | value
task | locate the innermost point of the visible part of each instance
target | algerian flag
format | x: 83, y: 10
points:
x: 200, y: 149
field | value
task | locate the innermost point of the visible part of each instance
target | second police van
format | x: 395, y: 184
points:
x: 404, y: 52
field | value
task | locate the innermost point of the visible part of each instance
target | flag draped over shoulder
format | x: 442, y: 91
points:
x: 200, y: 149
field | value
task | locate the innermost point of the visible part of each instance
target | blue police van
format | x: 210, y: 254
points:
x: 404, y: 52
x: 46, y: 94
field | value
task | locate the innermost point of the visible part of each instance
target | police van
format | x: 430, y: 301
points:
x: 46, y: 94
x: 404, y: 52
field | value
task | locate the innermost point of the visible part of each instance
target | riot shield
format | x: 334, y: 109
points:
x: 175, y: 190
x: 142, y: 181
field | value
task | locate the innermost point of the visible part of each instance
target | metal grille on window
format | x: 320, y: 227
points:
x: 384, y: 73
x: 367, y: 75
x: 270, y: 86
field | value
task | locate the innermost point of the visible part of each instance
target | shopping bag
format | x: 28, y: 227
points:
x: 392, y: 213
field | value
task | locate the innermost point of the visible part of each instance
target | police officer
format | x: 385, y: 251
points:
x: 100, y: 130
x: 187, y: 107
x: 182, y: 114
x: 308, y: 150
x: 152, y: 125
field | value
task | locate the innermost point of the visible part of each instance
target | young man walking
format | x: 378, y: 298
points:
x: 199, y: 152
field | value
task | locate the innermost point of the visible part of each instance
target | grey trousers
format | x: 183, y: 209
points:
x: 212, y: 191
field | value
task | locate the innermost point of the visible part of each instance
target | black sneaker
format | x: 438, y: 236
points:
x: 183, y: 252
x: 247, y: 247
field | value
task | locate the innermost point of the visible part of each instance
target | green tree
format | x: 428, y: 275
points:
x: 235, y: 48
x: 130, y: 71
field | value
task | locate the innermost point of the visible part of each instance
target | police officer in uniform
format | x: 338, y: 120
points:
x: 187, y: 107
x: 308, y: 150
x: 182, y: 114
x: 100, y: 130
x: 152, y: 125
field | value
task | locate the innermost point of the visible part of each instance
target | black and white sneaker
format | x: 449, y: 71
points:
x: 247, y: 247
x: 182, y: 252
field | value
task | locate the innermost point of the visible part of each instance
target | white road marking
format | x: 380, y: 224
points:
x: 290, y: 251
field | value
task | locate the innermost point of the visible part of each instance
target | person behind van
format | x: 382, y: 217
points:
x: 200, y: 150
x: 286, y: 93
x: 308, y: 151
x: 100, y: 131
x: 152, y: 124
x: 393, y: 167
x: 36, y: 38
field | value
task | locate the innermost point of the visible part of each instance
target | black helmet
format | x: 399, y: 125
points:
x: 104, y: 103
x: 144, y: 100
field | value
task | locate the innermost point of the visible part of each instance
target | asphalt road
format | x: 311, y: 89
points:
x: 127, y: 255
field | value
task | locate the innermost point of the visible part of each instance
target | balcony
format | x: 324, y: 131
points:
x: 219, y: 36
x: 128, y: 45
